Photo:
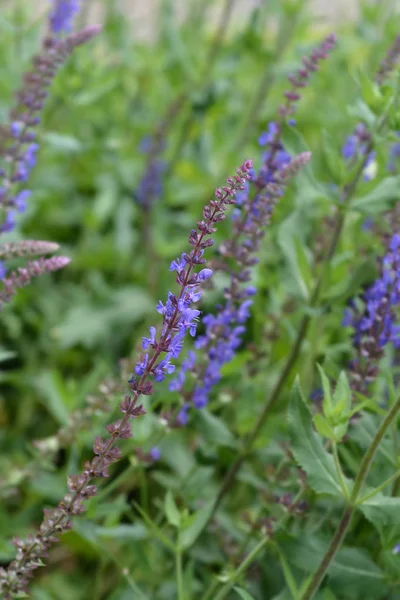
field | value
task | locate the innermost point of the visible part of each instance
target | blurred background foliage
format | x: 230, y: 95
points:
x: 65, y: 333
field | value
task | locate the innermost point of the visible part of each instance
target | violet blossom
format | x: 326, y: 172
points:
x: 18, y: 145
x: 224, y: 331
x: 358, y: 145
x: 376, y: 324
x: 62, y: 15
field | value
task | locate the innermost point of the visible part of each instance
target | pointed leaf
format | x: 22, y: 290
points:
x: 171, y: 510
x: 243, y: 594
x: 380, y: 198
x: 197, y: 522
x: 381, y: 510
x: 308, y: 449
x: 326, y: 386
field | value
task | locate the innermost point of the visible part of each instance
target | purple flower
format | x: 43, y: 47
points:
x: 62, y: 15
x: 268, y: 137
x: 376, y: 325
x: 3, y: 270
x: 394, y: 155
x: 150, y: 341
x: 183, y: 416
x: 155, y: 453
x: 396, y: 549
x: 358, y: 145
x: 151, y: 185
x: 18, y: 151
x: 179, y: 264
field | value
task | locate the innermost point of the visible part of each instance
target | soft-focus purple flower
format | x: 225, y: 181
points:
x: 377, y: 324
x: 316, y: 395
x: 22, y: 276
x: 151, y: 184
x: 3, y: 270
x: 18, y: 150
x: 394, y: 155
x: 62, y: 15
x: 358, y: 145
x: 396, y: 549
x: 155, y: 453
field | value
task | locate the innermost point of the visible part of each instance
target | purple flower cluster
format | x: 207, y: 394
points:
x: 301, y: 78
x: 23, y: 276
x: 151, y: 185
x: 376, y: 326
x: 18, y: 147
x: 357, y: 145
x: 394, y: 156
x: 178, y: 318
x: 62, y: 15
x: 388, y: 64
x: 276, y: 156
x: 224, y: 331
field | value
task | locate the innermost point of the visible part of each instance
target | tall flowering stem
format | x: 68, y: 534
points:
x: 26, y: 248
x: 23, y: 276
x: 224, y: 331
x: 376, y: 325
x: 389, y: 62
x: 276, y: 157
x: 178, y: 319
x: 18, y: 146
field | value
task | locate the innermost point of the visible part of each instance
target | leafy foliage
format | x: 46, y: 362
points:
x: 165, y: 525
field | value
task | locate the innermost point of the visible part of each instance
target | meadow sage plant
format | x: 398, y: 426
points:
x: 266, y: 460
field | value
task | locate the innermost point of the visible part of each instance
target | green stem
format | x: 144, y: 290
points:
x: 396, y: 452
x: 209, y: 594
x: 344, y: 524
x: 179, y: 573
x: 339, y: 470
x: 251, y: 556
x: 242, y: 567
x: 330, y: 554
x: 368, y: 457
x: 379, y: 488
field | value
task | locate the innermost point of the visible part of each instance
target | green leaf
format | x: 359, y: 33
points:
x: 382, y: 510
x: 171, y: 510
x: 380, y: 198
x: 55, y: 395
x: 62, y: 143
x: 305, y: 276
x: 308, y: 449
x: 214, y: 429
x: 6, y: 354
x: 342, y: 396
x: 197, y: 522
x: 156, y: 530
x: 243, y: 594
x: 351, y: 575
x: 326, y: 386
x: 323, y: 427
x: 288, y: 575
